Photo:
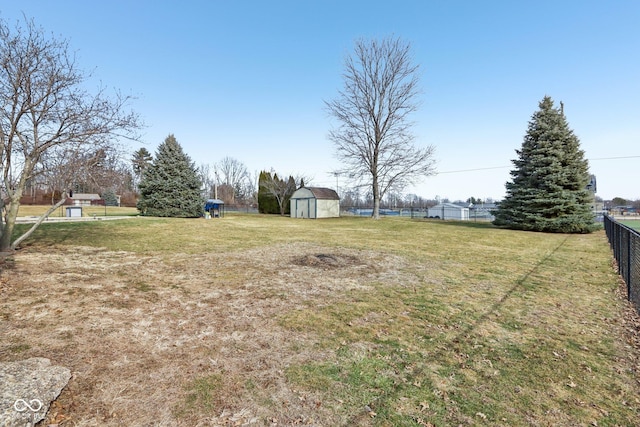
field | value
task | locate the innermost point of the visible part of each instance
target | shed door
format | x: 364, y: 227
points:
x: 302, y: 208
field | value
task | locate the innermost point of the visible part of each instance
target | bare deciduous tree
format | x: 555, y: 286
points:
x: 45, y: 113
x: 209, y: 183
x: 83, y: 169
x: 231, y: 171
x: 233, y: 174
x: 280, y: 189
x: 374, y: 137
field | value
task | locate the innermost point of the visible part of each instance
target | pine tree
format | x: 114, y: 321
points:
x: 548, y: 191
x: 170, y: 186
x: 140, y: 162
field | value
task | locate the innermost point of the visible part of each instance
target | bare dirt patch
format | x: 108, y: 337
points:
x: 180, y: 340
x: 327, y: 260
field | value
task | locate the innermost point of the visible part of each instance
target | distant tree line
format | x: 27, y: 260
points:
x: 622, y: 202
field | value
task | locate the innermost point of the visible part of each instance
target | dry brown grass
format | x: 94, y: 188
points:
x: 144, y: 335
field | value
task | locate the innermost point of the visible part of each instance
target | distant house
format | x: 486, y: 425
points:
x: 449, y: 211
x: 315, y: 202
x: 85, y: 199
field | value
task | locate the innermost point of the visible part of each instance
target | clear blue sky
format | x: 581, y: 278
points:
x: 248, y: 79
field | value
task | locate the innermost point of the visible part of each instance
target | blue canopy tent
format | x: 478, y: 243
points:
x: 215, y: 207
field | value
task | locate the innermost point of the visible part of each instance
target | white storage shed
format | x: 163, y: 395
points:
x: 315, y: 202
x: 449, y: 211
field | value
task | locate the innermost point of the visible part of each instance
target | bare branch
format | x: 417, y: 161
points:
x: 40, y: 220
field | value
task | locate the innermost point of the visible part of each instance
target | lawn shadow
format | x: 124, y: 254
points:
x: 48, y: 235
x: 466, y: 224
x: 454, y: 343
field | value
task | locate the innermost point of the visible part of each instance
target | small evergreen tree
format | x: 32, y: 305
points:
x: 549, y: 188
x: 170, y: 186
x: 110, y: 198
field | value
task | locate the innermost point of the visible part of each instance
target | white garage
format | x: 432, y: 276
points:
x: 315, y: 202
x: 449, y: 211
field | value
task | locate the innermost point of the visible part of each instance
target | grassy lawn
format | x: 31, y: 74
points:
x: 633, y: 223
x: 263, y: 320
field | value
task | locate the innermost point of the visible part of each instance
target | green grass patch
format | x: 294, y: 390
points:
x: 202, y: 394
x: 632, y: 223
x: 143, y: 286
x: 18, y: 348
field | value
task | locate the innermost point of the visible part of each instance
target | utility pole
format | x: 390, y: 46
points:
x: 215, y: 186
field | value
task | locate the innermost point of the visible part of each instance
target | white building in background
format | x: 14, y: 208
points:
x: 449, y: 211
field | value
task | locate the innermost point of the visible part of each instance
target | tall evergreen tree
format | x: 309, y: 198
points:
x: 267, y: 202
x: 548, y: 191
x: 170, y: 186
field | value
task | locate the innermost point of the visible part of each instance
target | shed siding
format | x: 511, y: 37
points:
x: 328, y: 208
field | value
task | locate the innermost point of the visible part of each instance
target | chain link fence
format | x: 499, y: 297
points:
x: 474, y: 214
x: 625, y: 244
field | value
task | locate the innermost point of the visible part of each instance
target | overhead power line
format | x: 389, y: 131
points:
x: 615, y: 158
x: 504, y: 167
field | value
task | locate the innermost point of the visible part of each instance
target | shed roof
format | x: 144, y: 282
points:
x: 85, y: 196
x: 323, y: 193
x: 215, y: 201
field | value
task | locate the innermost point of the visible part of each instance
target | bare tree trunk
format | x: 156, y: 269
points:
x: 282, y: 207
x: 11, y: 213
x: 44, y: 216
x: 376, y: 198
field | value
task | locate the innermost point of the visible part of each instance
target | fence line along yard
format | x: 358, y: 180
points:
x: 625, y: 243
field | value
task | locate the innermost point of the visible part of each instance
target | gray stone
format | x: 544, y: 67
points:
x: 27, y: 388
